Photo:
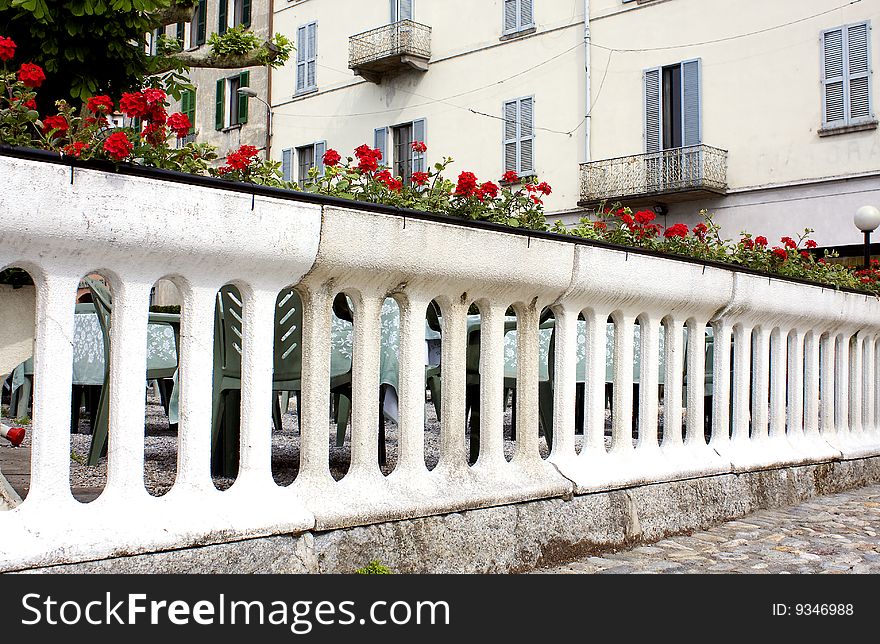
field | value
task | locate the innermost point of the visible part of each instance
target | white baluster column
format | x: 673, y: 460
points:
x: 648, y: 382
x: 742, y: 374
x: 492, y: 384
x: 622, y: 403
x: 696, y: 369
x: 315, y: 426
x: 411, y: 392
x: 527, y: 384
x: 672, y: 389
x: 594, y: 387
x: 366, y: 344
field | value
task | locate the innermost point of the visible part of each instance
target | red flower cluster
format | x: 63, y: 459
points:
x: 676, y: 230
x: 148, y: 104
x: 75, y: 149
x: 487, y: 189
x: 509, y: 177
x: 179, y: 124
x: 388, y: 180
x: 811, y: 243
x: 100, y: 104
x: 760, y: 240
x: 154, y: 134
x: 643, y: 217
x: 31, y: 75
x: 331, y: 158
x: 747, y: 243
x: 700, y: 231
x: 467, y: 185
x: 133, y: 104
x: 780, y: 253
x: 241, y: 158
x: 788, y: 242
x: 117, y: 146
x: 7, y: 48
x: 57, y: 123
x: 420, y: 178
x: 600, y: 225
x: 419, y: 146
x: 368, y: 158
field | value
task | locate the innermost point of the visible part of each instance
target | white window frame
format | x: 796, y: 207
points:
x: 233, y: 7
x: 847, y: 78
x: 519, y: 138
x: 519, y: 25
x: 231, y: 96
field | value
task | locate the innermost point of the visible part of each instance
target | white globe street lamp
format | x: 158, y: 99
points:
x: 866, y: 219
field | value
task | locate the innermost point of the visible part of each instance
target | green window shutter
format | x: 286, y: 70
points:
x: 243, y: 81
x: 188, y: 107
x: 221, y: 18
x: 220, y: 105
x: 691, y: 127
x: 246, y: 13
x: 202, y: 23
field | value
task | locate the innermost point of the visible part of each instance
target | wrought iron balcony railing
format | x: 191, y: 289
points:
x: 389, y: 49
x: 678, y: 174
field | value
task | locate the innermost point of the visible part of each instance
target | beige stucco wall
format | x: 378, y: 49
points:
x: 254, y: 131
x: 761, y: 97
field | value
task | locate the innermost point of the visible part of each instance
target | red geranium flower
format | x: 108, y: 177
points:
x: 644, y: 217
x: 155, y: 134
x: 241, y: 158
x: 600, y: 225
x: 676, y: 230
x: 179, y: 124
x: 134, y: 105
x: 31, y: 75
x: 331, y: 157
x: 509, y: 177
x: 489, y: 189
x: 57, y: 123
x: 419, y: 146
x: 747, y: 243
x: 7, y: 48
x: 154, y: 96
x: 805, y: 254
x: 467, y: 185
x: 760, y: 240
x: 368, y: 158
x: 789, y: 242
x: 811, y: 244
x: 117, y: 146
x: 156, y: 114
x: 536, y: 200
x: 627, y: 219
x: 91, y: 120
x: 780, y: 253
x: 700, y: 230
x: 75, y: 149
x: 420, y: 178
x: 100, y: 104
x: 543, y: 188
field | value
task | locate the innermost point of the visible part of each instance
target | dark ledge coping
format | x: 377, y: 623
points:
x: 129, y: 169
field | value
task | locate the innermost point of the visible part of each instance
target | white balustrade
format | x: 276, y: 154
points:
x: 793, y: 365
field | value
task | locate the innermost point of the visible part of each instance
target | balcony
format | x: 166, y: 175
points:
x: 680, y: 174
x: 389, y: 50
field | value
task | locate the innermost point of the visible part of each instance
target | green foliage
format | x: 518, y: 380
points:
x: 374, y: 568
x: 238, y: 41
x: 24, y: 420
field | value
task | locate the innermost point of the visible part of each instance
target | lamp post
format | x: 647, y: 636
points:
x: 251, y: 93
x: 866, y: 219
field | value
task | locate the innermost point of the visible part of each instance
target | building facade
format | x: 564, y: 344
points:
x: 761, y: 113
x: 220, y: 115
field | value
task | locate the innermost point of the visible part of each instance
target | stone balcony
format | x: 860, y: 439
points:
x: 670, y: 176
x: 389, y: 50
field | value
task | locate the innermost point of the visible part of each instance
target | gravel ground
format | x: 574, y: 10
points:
x: 160, y: 448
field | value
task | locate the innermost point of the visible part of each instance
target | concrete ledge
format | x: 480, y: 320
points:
x: 512, y: 538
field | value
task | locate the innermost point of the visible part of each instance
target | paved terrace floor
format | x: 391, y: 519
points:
x: 836, y: 534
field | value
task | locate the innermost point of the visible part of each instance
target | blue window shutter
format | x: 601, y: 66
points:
x: 320, y: 149
x: 833, y: 77
x: 653, y: 111
x: 405, y: 10
x: 380, y: 137
x: 510, y: 11
x: 859, y: 71
x: 418, y: 158
x: 287, y: 163
x: 394, y: 14
x: 526, y: 14
x: 312, y: 57
x: 526, y: 136
x: 510, y: 141
x: 691, y: 122
x: 301, y: 57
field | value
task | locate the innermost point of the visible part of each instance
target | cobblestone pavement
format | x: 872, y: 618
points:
x: 832, y: 534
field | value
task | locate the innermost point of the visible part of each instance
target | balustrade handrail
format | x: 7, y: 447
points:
x: 385, y: 41
x: 240, y: 234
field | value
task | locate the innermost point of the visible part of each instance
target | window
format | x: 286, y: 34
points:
x: 672, y: 106
x: 199, y: 24
x: 153, y: 47
x: 518, y: 16
x: 846, y: 76
x: 188, y: 107
x: 232, y: 13
x: 519, y: 136
x: 307, y: 157
x: 401, y: 10
x: 231, y: 107
x: 403, y: 160
x: 307, y: 58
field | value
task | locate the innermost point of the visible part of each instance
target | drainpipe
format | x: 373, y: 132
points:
x: 587, y: 115
x: 269, y: 87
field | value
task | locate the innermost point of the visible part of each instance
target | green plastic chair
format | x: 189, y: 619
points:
x: 103, y: 303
